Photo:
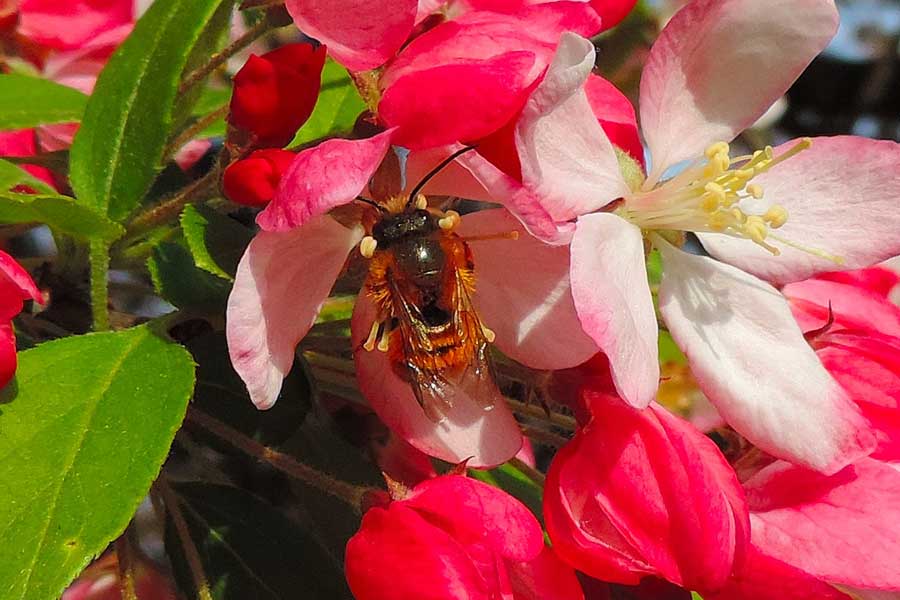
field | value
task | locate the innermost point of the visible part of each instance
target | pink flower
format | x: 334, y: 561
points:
x: 856, y: 334
x: 812, y: 532
x: 454, y: 537
x: 467, y: 77
x: 290, y: 267
x: 16, y: 286
x: 638, y: 493
x: 70, y: 43
x: 781, y: 214
x: 72, y: 24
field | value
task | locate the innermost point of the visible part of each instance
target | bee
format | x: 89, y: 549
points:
x: 421, y: 278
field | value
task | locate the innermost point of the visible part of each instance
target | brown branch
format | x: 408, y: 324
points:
x: 184, y: 536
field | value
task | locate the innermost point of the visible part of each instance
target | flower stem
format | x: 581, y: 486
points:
x: 171, y: 208
x: 99, y: 258
x: 323, y: 482
x: 194, y: 129
x: 543, y: 436
x: 218, y: 59
x: 536, y: 412
x: 184, y: 536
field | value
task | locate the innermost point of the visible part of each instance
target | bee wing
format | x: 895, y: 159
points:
x: 436, y: 388
x: 478, y: 379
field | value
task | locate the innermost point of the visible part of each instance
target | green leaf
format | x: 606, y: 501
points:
x: 214, y: 36
x: 338, y: 106
x: 61, y: 213
x: 86, y: 425
x: 250, y: 550
x: 118, y: 148
x: 216, y: 241
x: 669, y: 350
x: 31, y: 101
x: 12, y: 175
x: 181, y: 283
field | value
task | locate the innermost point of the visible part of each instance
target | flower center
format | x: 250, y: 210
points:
x: 716, y: 194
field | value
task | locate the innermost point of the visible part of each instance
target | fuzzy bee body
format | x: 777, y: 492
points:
x: 421, y: 279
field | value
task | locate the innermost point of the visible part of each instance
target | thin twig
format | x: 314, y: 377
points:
x: 545, y: 437
x: 171, y: 208
x: 126, y: 568
x: 529, y: 471
x: 221, y: 57
x: 194, y: 129
x: 184, y: 536
x: 536, y: 412
x: 341, y: 490
x: 100, y: 285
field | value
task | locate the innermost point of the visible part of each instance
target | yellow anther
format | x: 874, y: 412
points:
x: 709, y: 202
x: 738, y: 215
x: 367, y: 246
x: 421, y: 202
x: 716, y: 148
x: 449, y: 221
x: 489, y: 334
x: 744, y: 174
x: 755, y: 190
x: 776, y: 216
x: 718, y: 221
x: 755, y: 229
x: 715, y: 190
x: 369, y: 344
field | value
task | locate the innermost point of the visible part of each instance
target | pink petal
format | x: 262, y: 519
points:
x: 523, y: 294
x: 474, y: 513
x: 281, y: 282
x: 486, y: 437
x: 648, y: 486
x: 566, y: 158
x: 612, y: 11
x: 616, y: 115
x: 71, y: 24
x: 398, y: 555
x: 544, y: 578
x: 750, y: 359
x: 7, y: 353
x: 520, y: 201
x: 359, y: 34
x: 430, y: 119
x: 23, y: 143
x: 328, y: 175
x: 867, y: 365
x: 842, y: 528
x: 841, y: 196
x: 613, y: 301
x: 852, y: 307
x: 878, y: 280
x: 719, y: 65
x: 766, y: 577
x: 481, y: 35
x: 16, y: 282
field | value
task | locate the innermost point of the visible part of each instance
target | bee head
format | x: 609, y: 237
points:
x: 395, y: 227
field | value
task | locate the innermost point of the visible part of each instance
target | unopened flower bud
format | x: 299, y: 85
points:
x: 275, y: 93
x: 253, y: 180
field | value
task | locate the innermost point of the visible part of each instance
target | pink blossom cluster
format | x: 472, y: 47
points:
x: 801, y: 362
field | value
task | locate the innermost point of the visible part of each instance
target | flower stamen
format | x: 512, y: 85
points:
x: 717, y: 196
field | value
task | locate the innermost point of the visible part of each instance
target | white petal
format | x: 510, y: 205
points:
x: 751, y: 360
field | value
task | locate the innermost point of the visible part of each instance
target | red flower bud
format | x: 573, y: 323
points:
x: 253, y: 180
x: 275, y: 93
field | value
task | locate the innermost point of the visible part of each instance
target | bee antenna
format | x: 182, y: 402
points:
x: 433, y: 172
x: 380, y: 208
